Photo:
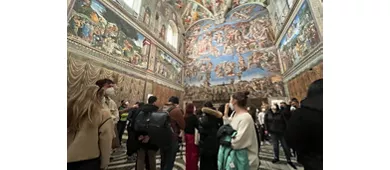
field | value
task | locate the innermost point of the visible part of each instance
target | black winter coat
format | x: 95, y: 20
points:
x: 286, y: 112
x: 305, y: 133
x: 275, y: 122
x: 208, y: 127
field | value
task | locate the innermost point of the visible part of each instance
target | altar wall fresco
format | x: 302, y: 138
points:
x: 301, y: 38
x: 298, y: 86
x: 83, y: 72
x: 97, y: 26
x: 234, y: 56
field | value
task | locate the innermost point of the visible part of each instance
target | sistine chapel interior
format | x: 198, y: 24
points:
x: 197, y: 50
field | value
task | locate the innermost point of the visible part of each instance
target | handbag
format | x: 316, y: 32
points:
x: 197, y: 137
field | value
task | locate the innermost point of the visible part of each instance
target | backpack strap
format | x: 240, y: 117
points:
x: 104, y: 122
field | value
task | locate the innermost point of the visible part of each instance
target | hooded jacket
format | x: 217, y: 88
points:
x: 209, y: 123
x: 147, y: 108
x: 304, y: 132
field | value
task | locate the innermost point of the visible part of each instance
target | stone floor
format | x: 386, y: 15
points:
x: 120, y: 161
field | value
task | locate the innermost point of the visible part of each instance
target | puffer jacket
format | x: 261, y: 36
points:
x: 209, y: 123
x: 229, y: 158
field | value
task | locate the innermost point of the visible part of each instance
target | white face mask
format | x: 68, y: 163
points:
x: 231, y: 106
x: 293, y: 108
x: 110, y: 92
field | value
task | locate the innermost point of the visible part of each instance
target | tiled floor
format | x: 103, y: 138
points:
x: 120, y: 161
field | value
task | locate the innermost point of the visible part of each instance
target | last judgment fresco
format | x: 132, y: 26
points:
x: 234, y: 56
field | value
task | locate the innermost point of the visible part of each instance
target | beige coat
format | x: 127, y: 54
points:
x: 91, y: 141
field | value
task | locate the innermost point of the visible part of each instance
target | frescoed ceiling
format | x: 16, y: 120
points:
x: 195, y: 10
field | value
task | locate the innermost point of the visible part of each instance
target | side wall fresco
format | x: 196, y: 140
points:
x: 154, y: 15
x: 301, y: 38
x: 94, y: 24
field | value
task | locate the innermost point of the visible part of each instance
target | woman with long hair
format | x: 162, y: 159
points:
x: 252, y: 111
x: 191, y: 148
x: 90, y: 130
x: 243, y: 123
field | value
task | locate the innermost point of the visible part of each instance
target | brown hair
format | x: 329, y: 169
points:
x: 241, y: 98
x: 85, y: 105
x: 189, y: 109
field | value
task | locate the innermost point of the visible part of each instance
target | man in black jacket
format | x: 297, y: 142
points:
x: 132, y: 144
x: 147, y: 151
x: 304, y: 130
x: 275, y: 123
x: 285, y: 110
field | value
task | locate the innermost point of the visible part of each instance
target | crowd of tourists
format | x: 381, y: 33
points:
x: 226, y: 138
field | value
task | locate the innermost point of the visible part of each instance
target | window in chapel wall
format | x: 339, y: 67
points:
x: 134, y: 5
x: 172, y: 34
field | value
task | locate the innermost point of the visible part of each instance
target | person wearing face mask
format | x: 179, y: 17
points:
x: 243, y: 123
x: 108, y: 103
x: 294, y: 104
x: 89, y: 130
x: 275, y: 123
x: 260, y: 118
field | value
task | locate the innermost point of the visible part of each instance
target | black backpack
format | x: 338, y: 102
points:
x: 157, y: 125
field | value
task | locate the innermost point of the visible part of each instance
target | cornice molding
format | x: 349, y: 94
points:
x: 143, y: 29
x: 119, y: 65
x: 310, y: 60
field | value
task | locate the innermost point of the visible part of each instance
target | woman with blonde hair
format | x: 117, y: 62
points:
x: 90, y: 130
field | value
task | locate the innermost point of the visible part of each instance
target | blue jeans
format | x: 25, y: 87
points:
x: 275, y: 143
x: 168, y: 155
